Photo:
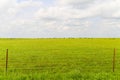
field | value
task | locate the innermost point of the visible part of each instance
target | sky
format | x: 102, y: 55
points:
x: 59, y: 18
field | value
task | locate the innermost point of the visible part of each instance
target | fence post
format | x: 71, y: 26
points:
x: 114, y: 60
x: 6, y: 60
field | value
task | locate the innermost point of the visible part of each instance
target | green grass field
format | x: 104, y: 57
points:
x: 60, y: 59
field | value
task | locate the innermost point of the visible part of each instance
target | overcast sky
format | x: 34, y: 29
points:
x: 59, y: 18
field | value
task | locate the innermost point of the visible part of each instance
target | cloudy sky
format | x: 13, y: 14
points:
x: 59, y: 18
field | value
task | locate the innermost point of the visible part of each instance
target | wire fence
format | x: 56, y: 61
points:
x: 84, y: 59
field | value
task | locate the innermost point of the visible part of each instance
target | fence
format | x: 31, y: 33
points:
x: 85, y: 60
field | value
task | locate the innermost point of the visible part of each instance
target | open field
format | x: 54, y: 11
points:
x: 60, y: 59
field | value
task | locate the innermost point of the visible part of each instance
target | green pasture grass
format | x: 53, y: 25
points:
x: 60, y: 59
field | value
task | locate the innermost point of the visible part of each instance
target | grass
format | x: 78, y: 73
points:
x: 60, y: 59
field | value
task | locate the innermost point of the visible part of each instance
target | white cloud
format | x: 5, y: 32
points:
x: 65, y: 18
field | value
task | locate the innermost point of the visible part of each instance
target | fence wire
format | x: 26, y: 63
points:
x: 82, y: 59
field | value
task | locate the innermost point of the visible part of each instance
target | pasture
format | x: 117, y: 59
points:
x: 60, y: 59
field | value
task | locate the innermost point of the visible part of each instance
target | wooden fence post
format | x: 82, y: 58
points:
x: 114, y: 60
x: 6, y: 60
